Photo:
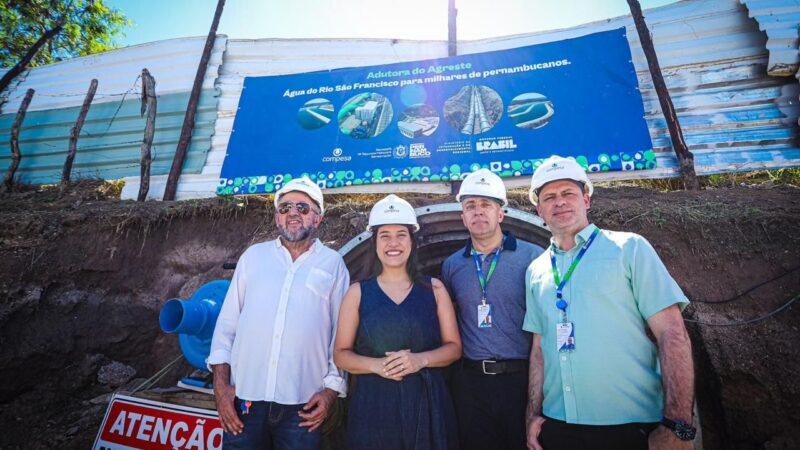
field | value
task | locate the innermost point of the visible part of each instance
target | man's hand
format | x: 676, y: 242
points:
x: 534, y: 429
x: 224, y: 395
x: 316, y: 410
x: 663, y: 438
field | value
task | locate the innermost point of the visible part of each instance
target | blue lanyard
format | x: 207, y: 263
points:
x: 561, y: 303
x: 485, y: 281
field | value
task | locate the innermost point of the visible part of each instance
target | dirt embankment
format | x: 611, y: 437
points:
x: 82, y: 278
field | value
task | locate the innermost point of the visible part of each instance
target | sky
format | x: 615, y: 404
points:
x: 156, y: 20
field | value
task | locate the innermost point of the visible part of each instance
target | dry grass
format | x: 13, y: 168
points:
x: 776, y: 177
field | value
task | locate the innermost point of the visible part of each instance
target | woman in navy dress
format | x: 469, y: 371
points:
x: 396, y: 331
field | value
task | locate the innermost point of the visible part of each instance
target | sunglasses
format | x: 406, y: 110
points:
x: 301, y: 207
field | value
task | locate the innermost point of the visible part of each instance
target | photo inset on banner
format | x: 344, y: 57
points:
x: 365, y: 115
x: 315, y: 113
x: 418, y: 120
x: 530, y: 110
x: 474, y: 109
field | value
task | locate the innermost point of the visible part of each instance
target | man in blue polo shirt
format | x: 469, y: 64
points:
x: 596, y: 379
x: 486, y: 279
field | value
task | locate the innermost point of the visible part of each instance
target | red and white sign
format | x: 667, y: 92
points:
x: 135, y: 423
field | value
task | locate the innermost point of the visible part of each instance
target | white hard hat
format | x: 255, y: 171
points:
x: 304, y: 185
x: 392, y: 210
x: 558, y: 168
x: 485, y: 183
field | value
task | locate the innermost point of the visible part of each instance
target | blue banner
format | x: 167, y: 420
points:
x: 439, y: 120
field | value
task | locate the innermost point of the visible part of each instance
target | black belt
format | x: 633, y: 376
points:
x: 496, y: 367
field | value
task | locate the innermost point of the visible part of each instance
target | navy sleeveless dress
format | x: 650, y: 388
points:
x: 415, y: 413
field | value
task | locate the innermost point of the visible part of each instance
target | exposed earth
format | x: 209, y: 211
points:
x: 83, y: 276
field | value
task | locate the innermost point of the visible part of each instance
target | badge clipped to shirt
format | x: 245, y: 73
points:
x: 484, y: 315
x: 565, y: 330
x: 485, y: 319
x: 565, y: 337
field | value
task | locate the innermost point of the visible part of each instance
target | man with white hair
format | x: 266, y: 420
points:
x: 272, y: 350
x: 596, y: 379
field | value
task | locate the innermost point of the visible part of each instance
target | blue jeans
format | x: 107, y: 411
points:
x: 272, y: 426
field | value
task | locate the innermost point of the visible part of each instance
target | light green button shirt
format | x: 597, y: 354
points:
x: 613, y: 375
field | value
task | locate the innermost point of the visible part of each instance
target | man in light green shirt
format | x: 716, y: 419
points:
x: 596, y: 379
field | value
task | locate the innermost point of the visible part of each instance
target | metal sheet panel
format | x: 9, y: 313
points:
x: 714, y: 59
x: 779, y: 19
x: 111, y: 138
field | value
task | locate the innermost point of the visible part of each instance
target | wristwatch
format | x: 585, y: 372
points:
x: 684, y: 431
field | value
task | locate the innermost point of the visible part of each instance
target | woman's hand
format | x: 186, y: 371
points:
x: 378, y: 367
x: 401, y: 363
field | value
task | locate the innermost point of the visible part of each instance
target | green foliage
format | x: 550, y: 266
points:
x: 89, y: 27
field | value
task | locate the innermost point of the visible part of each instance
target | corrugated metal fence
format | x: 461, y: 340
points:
x: 714, y: 55
x: 110, y: 141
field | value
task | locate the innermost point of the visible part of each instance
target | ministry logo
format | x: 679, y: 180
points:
x: 399, y: 151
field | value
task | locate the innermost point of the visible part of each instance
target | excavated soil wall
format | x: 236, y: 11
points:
x: 82, y: 278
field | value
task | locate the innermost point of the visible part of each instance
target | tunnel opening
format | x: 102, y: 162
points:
x: 442, y: 233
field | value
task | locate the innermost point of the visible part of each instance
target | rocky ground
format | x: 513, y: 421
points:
x: 83, y: 275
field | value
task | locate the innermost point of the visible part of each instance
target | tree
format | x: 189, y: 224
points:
x: 37, y: 32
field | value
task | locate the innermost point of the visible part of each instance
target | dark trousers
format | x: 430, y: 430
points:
x: 272, y: 426
x: 558, y: 435
x: 490, y: 409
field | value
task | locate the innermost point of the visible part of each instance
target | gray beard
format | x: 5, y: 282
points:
x: 300, y: 235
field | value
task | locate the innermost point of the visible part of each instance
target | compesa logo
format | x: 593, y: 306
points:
x: 418, y: 151
x: 554, y: 167
x: 400, y: 151
x: 483, y: 181
x: 391, y: 209
x: 495, y: 144
x: 337, y: 156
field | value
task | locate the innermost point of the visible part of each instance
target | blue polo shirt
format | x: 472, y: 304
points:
x: 505, y: 291
x: 613, y: 375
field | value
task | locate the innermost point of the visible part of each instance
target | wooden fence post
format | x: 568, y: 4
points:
x: 685, y: 157
x: 16, y: 156
x: 149, y: 105
x: 452, y: 41
x: 75, y: 133
x: 452, y: 50
x: 191, y: 109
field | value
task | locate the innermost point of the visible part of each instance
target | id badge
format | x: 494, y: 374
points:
x: 485, y: 315
x: 565, y: 337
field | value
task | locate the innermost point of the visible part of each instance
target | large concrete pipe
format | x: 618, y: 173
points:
x: 442, y: 233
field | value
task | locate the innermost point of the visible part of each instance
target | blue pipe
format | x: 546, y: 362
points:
x: 193, y: 320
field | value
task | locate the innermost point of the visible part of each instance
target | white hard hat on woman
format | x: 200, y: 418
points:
x: 392, y: 210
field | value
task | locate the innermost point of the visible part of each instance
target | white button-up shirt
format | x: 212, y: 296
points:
x: 278, y: 321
